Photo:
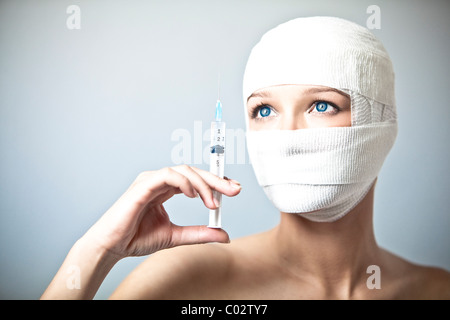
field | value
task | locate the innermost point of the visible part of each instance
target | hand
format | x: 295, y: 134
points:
x: 137, y: 224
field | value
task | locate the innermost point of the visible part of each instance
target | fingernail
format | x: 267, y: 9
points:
x: 216, y: 202
x: 235, y: 185
x: 232, y: 180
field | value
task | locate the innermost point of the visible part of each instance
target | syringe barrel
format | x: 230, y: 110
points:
x: 217, y: 149
x: 216, y: 166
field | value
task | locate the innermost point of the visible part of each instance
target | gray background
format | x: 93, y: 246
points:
x: 82, y: 112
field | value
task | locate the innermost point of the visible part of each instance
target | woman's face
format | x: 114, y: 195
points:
x: 291, y: 107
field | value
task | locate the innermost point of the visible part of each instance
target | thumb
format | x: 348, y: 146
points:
x: 197, y: 234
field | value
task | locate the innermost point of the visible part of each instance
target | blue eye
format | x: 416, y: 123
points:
x: 264, y: 111
x: 321, y: 106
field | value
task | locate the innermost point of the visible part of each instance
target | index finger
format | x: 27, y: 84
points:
x: 228, y: 187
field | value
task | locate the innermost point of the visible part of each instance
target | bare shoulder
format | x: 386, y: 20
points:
x: 172, y: 273
x: 420, y: 282
x: 204, y: 271
x: 435, y: 283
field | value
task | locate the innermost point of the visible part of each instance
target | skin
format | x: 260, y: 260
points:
x: 298, y: 259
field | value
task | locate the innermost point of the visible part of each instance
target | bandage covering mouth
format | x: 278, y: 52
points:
x: 323, y: 173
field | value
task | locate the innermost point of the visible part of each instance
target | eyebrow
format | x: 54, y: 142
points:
x: 265, y: 93
x: 260, y: 93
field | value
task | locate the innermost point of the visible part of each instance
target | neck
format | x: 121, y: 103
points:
x: 335, y: 255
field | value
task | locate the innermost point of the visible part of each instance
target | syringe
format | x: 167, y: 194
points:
x: 216, y: 162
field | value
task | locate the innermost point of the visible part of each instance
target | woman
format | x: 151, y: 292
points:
x: 320, y: 114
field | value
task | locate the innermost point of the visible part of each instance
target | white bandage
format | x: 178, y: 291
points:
x: 326, y: 170
x: 323, y: 173
x: 325, y: 51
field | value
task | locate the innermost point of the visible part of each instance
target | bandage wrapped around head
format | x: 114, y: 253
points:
x: 323, y: 173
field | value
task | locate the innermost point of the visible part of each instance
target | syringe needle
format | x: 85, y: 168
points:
x: 218, y: 86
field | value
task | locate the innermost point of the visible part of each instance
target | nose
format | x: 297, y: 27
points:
x: 292, y: 120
